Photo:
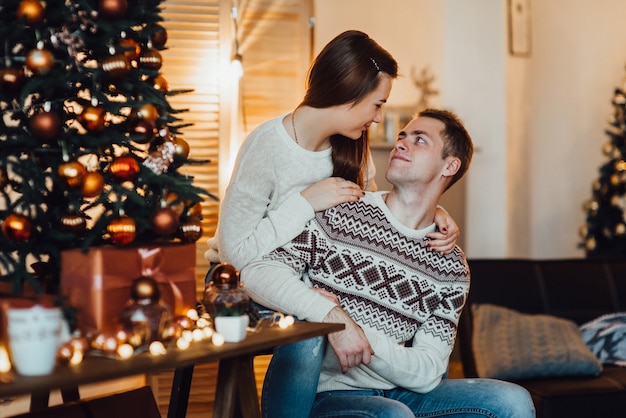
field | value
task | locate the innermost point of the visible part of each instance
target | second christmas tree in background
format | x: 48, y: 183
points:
x: 90, y: 149
x: 604, y: 234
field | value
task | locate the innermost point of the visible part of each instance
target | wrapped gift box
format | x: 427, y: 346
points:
x: 98, y: 282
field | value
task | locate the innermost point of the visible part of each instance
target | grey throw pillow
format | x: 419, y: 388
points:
x: 508, y: 344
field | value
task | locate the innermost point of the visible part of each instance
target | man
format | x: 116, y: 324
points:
x: 367, y: 266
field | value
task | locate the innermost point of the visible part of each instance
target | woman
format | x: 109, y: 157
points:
x: 311, y: 159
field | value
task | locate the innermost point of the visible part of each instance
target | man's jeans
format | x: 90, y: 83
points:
x: 452, y: 398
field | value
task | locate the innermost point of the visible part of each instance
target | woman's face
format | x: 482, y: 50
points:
x: 356, y: 118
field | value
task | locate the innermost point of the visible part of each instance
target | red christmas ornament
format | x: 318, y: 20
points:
x: 113, y: 9
x: 73, y: 222
x: 46, y: 126
x: 131, y: 48
x: 11, y: 79
x: 30, y: 10
x: 122, y: 230
x: 92, y: 119
x: 150, y: 59
x: 40, y: 61
x: 164, y: 222
x: 16, y: 227
x: 190, y: 229
x: 93, y: 184
x: 159, y: 36
x: 116, y: 66
x: 72, y: 173
x: 124, y: 168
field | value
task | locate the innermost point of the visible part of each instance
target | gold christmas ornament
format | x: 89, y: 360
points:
x: 124, y: 168
x: 45, y: 126
x: 32, y: 11
x: 93, y: 184
x: 122, y: 230
x: 181, y: 151
x: 172, y: 201
x: 72, y: 173
x: 40, y: 61
x: 582, y: 231
x: 160, y: 83
x: 92, y: 119
x: 620, y: 229
x: 147, y: 112
x: 16, y: 227
x: 590, y: 245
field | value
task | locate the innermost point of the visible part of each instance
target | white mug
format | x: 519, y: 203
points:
x: 34, y: 338
x: 232, y: 328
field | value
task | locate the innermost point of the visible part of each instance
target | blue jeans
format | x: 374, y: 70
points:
x: 452, y: 398
x: 291, y: 379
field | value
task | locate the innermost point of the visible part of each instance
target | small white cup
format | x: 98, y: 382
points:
x: 34, y: 338
x: 232, y: 328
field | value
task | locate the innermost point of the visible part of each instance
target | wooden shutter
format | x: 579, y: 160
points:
x: 274, y: 40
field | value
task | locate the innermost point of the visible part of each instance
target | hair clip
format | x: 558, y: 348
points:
x: 375, y: 64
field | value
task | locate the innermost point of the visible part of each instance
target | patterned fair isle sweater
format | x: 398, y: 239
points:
x: 386, y: 279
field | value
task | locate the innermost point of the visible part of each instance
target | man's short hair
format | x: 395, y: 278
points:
x: 456, y: 140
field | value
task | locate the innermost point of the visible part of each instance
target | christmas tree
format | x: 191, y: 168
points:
x: 604, y: 234
x: 90, y: 147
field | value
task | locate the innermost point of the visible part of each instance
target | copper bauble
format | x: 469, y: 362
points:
x: 159, y: 36
x: 16, y: 227
x: 148, y: 112
x: 124, y: 168
x: 122, y: 230
x: 144, y: 131
x: 195, y: 210
x: 30, y: 10
x: 181, y: 151
x: 150, y: 59
x: 92, y: 119
x: 160, y: 83
x: 72, y: 173
x: 45, y: 126
x: 93, y: 184
x: 40, y: 61
x: 73, y: 222
x: 164, y: 222
x: 116, y: 66
x: 112, y: 9
x: 130, y: 48
x: 190, y: 229
x: 11, y: 79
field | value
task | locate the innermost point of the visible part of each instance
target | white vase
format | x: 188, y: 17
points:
x: 232, y: 328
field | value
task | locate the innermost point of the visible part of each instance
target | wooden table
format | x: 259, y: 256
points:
x: 236, y: 393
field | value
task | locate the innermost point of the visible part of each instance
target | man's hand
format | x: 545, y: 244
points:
x: 351, y: 345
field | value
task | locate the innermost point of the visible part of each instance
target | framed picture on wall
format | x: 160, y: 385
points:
x: 519, y: 27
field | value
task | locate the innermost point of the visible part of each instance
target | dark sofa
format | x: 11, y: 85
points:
x: 577, y: 289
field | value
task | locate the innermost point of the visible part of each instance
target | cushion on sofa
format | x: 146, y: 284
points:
x: 508, y: 344
x: 606, y: 337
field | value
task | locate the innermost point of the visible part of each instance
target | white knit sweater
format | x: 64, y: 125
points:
x: 262, y: 207
x: 386, y: 279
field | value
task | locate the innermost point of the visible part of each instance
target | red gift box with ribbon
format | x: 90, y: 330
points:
x: 98, y: 282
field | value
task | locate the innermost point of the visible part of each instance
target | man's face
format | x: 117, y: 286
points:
x: 416, y: 157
